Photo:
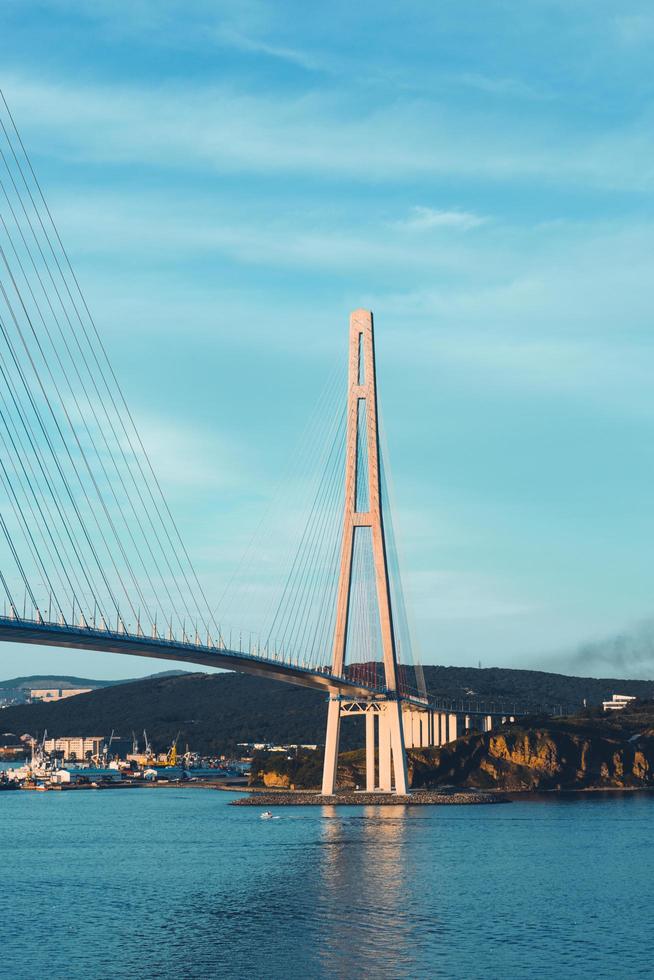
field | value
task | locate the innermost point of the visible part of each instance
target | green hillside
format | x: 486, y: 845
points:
x: 213, y: 712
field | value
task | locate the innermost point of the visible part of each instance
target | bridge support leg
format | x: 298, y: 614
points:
x: 407, y: 728
x: 370, y: 752
x: 331, y: 747
x: 385, y: 778
x: 393, y: 714
x: 424, y: 729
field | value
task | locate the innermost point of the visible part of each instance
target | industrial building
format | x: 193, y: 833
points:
x: 57, y: 694
x: 76, y: 748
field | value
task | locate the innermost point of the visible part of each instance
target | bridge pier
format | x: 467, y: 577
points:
x: 370, y: 751
x: 385, y: 779
x: 331, y: 746
x: 385, y: 754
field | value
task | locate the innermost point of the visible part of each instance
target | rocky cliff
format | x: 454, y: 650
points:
x: 592, y: 750
x: 540, y: 758
x: 589, y: 751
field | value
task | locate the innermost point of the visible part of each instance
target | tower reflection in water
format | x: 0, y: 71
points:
x: 362, y: 892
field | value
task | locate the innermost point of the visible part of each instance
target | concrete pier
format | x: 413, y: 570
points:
x: 370, y: 751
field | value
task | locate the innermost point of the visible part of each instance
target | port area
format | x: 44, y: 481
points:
x: 443, y: 797
x: 160, y: 784
x: 231, y: 785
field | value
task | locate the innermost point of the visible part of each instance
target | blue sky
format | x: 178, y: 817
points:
x: 232, y: 178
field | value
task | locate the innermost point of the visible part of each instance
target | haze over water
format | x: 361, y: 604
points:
x: 176, y: 883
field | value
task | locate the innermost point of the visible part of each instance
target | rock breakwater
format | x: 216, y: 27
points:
x: 422, y: 798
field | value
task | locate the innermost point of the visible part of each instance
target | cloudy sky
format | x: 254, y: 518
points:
x: 231, y: 178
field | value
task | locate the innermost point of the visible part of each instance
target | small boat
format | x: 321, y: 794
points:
x: 267, y: 815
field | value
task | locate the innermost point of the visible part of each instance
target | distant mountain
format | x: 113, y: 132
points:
x: 531, y: 687
x: 213, y: 712
x: 64, y: 681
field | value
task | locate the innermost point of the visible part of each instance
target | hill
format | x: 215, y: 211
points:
x: 530, y: 687
x: 214, y: 712
x: 65, y: 681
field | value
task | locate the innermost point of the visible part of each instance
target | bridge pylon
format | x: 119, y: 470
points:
x: 363, y: 510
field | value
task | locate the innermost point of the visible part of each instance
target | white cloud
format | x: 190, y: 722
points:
x: 186, y: 458
x: 189, y: 225
x: 242, y: 42
x: 422, y: 218
x: 326, y: 134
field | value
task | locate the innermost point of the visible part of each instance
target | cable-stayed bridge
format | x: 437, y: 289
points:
x: 92, y: 558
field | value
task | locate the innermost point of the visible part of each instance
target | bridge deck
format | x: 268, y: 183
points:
x: 17, y: 630
x: 108, y: 641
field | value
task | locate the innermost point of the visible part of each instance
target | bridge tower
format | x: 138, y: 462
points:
x: 363, y: 513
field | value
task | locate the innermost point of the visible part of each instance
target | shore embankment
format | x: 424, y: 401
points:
x: 357, y: 798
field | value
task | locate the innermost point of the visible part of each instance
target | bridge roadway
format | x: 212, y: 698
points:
x: 16, y: 630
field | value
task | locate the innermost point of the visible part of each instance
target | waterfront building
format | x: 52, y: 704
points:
x: 618, y: 702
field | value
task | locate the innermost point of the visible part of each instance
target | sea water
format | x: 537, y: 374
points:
x: 175, y: 883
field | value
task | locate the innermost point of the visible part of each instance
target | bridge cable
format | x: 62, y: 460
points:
x: 67, y: 525
x: 81, y: 450
x: 17, y: 452
x: 108, y: 363
x: 25, y: 526
x: 309, y: 554
x: 45, y: 261
x: 58, y: 465
x: 91, y: 408
x: 323, y: 531
x: 95, y: 356
x: 17, y: 559
x: 287, y: 591
x: 88, y: 430
x: 68, y: 452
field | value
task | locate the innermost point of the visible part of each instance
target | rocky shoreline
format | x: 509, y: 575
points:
x: 419, y: 798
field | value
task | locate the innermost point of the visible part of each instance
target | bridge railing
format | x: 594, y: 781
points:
x: 170, y: 641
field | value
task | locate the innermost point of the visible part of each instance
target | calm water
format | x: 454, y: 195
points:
x: 176, y: 883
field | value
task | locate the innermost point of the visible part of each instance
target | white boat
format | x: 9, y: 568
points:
x: 267, y: 815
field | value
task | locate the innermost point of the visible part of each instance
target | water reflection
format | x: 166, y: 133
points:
x: 362, y: 887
